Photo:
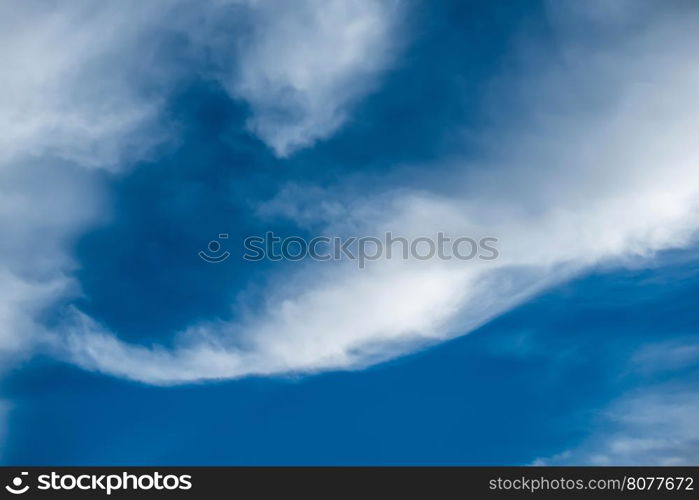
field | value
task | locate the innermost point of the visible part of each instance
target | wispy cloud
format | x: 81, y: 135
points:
x: 656, y: 426
x: 652, y: 425
x: 67, y: 86
x: 304, y: 65
x: 83, y: 91
x: 67, y: 108
x: 599, y: 165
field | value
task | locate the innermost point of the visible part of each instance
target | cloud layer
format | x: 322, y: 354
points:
x: 652, y: 425
x: 598, y: 166
x: 83, y: 91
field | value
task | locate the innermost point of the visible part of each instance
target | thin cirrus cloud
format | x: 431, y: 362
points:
x: 652, y: 425
x: 598, y: 166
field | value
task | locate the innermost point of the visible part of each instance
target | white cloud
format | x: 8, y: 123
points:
x: 66, y: 108
x: 71, y: 73
x: 79, y: 84
x: 70, y: 104
x: 655, y: 425
x: 305, y: 64
x: 67, y: 80
x: 604, y: 168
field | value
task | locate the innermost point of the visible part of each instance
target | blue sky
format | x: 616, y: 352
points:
x: 138, y: 133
